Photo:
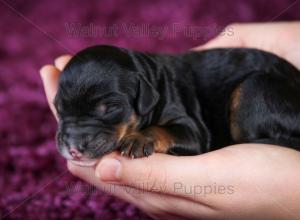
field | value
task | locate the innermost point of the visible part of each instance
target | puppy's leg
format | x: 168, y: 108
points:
x: 265, y: 109
x: 173, y: 139
x: 145, y: 142
x: 188, y: 140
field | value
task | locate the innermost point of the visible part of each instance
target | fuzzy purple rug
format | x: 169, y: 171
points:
x: 34, y: 182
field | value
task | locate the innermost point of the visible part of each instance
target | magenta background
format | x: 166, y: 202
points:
x: 28, y: 158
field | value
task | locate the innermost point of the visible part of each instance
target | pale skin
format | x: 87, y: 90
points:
x: 247, y: 181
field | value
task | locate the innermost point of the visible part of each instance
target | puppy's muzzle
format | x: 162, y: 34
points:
x: 80, y: 145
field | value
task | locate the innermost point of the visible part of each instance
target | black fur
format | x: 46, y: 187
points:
x: 190, y: 96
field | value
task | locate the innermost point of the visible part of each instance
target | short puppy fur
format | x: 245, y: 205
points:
x: 112, y: 98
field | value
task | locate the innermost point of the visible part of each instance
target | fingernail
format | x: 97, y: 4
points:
x: 45, y: 70
x: 42, y: 70
x: 109, y: 170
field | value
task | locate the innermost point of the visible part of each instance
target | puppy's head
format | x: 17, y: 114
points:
x: 101, y: 96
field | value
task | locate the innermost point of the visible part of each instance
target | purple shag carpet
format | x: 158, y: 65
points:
x: 34, y: 182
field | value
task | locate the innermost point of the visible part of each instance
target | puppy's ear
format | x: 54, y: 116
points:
x: 147, y: 96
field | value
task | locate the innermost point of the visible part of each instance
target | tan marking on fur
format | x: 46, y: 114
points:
x: 121, y: 131
x: 235, y: 102
x: 162, y: 139
x: 133, y: 122
x: 127, y: 128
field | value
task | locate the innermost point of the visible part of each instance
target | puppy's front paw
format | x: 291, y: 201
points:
x: 136, y: 145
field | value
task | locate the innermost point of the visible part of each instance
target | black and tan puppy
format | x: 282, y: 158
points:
x: 116, y: 99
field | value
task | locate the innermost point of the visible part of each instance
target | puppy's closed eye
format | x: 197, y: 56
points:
x: 111, y: 112
x: 109, y: 108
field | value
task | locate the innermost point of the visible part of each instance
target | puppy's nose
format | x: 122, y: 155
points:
x: 75, y: 153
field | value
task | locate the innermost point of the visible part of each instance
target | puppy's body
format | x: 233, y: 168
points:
x: 184, y: 105
x: 246, y: 96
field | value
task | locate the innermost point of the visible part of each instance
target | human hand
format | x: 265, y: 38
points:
x: 281, y: 38
x: 248, y: 181
x: 238, y: 182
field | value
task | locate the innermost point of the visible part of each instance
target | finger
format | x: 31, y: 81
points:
x: 153, y: 203
x: 157, y: 173
x: 222, y: 42
x: 156, y: 204
x: 88, y: 174
x: 231, y: 36
x: 50, y: 75
x: 61, y: 61
x: 166, y: 206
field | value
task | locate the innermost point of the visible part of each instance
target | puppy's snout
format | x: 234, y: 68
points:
x: 82, y: 142
x: 75, y: 153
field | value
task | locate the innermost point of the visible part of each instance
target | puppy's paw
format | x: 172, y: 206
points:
x: 136, y: 145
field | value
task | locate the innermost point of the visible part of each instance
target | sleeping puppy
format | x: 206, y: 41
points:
x: 111, y: 99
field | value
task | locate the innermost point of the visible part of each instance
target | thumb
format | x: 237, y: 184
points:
x: 232, y: 36
x: 222, y: 41
x: 159, y: 172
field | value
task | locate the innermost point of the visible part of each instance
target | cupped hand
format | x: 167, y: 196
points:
x: 247, y: 181
x: 250, y: 181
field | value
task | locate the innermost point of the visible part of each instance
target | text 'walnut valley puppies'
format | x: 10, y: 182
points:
x: 115, y: 99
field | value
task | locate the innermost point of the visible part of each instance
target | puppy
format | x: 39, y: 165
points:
x: 112, y: 98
